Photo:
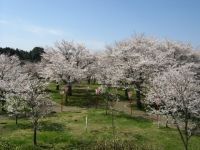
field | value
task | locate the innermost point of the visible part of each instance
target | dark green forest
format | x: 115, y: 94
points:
x: 33, y: 56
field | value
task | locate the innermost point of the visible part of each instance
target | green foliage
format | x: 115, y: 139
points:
x: 34, y: 55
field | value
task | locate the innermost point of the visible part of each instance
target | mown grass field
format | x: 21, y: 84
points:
x: 66, y: 130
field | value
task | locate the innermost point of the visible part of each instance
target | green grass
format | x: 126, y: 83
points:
x: 66, y: 130
x: 83, y: 95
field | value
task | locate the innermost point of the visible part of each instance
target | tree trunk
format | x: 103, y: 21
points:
x: 138, y: 91
x: 186, y: 145
x: 138, y: 97
x: 3, y: 104
x: 113, y: 125
x: 97, y: 103
x: 94, y: 80
x: 131, y: 108
x: 167, y: 121
x: 61, y: 104
x: 158, y: 120
x: 69, y: 90
x: 185, y: 141
x: 126, y: 94
x: 35, y: 133
x: 69, y: 86
x: 186, y: 130
x: 89, y: 80
x: 57, y: 87
x: 66, y: 98
x: 16, y: 119
x: 107, y: 107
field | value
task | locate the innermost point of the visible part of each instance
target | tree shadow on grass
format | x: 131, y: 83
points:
x: 49, y: 126
x: 51, y: 91
x: 86, y: 100
x: 80, y: 92
x: 25, y: 126
x: 20, y: 125
x: 136, y: 118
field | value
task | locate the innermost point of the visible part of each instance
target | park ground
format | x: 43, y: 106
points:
x: 67, y: 129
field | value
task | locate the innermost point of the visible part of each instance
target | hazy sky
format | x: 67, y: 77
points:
x: 28, y: 23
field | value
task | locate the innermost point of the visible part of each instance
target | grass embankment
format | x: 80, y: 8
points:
x: 66, y: 130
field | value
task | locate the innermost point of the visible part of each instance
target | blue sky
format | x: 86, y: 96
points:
x: 28, y: 23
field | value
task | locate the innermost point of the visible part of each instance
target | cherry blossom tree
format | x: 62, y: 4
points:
x: 15, y: 102
x: 23, y: 89
x: 10, y: 70
x: 136, y: 63
x: 38, y: 102
x: 109, y: 71
x: 91, y: 68
x: 66, y: 62
x: 177, y: 94
x: 15, y: 105
x: 141, y: 58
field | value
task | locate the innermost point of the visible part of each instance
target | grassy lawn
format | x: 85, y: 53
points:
x: 66, y: 130
x: 83, y: 94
